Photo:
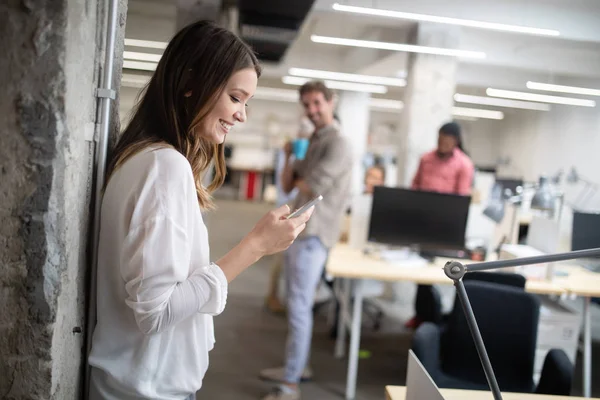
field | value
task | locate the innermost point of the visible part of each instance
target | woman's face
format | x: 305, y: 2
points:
x: 230, y: 107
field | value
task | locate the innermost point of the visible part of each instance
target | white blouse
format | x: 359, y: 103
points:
x: 157, y: 290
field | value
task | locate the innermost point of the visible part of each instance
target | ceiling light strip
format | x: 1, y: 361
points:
x: 563, y: 89
x: 446, y: 20
x: 491, y: 101
x: 292, y: 96
x: 351, y: 86
x: 509, y: 94
x: 461, y: 117
x: 267, y: 93
x: 387, y: 104
x: 151, y: 44
x: 341, y: 76
x: 134, y: 81
x: 477, y: 113
x: 397, y: 47
x: 136, y: 56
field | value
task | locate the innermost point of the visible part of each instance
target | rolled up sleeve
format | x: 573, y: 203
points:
x: 336, y: 159
x: 160, y: 289
x: 465, y: 179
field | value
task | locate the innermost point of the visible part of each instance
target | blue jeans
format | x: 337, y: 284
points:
x: 304, y: 262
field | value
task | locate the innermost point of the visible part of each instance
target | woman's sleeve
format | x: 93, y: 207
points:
x: 155, y: 265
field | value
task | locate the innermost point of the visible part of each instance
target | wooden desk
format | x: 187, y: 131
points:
x: 346, y: 262
x: 399, y: 393
x: 351, y: 264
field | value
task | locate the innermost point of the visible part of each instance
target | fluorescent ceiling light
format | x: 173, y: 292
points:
x: 477, y: 113
x: 464, y: 118
x: 397, y: 47
x: 133, y: 55
x: 355, y: 87
x: 491, y: 101
x: 151, y: 44
x: 292, y: 96
x: 144, y: 66
x: 386, y: 104
x: 266, y: 93
x: 446, y: 20
x: 340, y: 76
x: 134, y: 81
x: 540, y: 97
x: 564, y: 89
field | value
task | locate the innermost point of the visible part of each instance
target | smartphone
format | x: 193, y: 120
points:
x: 305, y: 207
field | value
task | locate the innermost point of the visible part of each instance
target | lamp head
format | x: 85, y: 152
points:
x: 557, y: 177
x: 573, y: 176
x: 543, y: 199
x: 495, y: 211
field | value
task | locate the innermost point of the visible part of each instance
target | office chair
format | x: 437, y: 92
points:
x: 428, y: 303
x: 508, y: 321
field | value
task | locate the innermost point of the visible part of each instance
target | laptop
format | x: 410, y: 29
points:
x: 419, y: 385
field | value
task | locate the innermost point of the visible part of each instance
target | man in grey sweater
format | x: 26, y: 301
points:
x: 325, y: 170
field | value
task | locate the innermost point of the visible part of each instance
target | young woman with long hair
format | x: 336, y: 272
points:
x: 157, y: 289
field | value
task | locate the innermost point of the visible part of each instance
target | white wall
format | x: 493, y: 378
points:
x: 544, y: 143
x: 480, y: 141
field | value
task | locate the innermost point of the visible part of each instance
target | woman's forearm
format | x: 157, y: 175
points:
x: 246, y: 253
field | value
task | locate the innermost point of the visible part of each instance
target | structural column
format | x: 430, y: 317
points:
x: 428, y: 97
x: 353, y: 112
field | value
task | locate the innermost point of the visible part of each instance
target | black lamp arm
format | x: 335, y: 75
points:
x: 456, y: 270
x: 515, y: 262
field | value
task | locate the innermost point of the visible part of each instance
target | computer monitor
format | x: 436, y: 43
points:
x: 586, y: 231
x: 403, y: 217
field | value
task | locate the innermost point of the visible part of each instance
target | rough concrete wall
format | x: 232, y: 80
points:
x: 48, y: 74
x: 71, y: 193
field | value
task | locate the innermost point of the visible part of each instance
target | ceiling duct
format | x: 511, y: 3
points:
x: 189, y: 11
x: 271, y: 26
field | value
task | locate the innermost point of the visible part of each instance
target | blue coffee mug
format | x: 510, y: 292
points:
x: 300, y: 147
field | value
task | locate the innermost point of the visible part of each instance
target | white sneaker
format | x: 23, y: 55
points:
x: 277, y: 374
x: 279, y: 394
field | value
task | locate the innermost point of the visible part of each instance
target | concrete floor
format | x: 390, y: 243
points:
x: 250, y: 338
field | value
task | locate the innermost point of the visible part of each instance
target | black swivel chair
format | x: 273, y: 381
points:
x: 508, y: 321
x: 428, y: 303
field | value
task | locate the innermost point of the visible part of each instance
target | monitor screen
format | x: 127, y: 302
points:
x: 586, y: 231
x: 429, y: 220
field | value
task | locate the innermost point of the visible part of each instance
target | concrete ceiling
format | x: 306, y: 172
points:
x: 511, y: 59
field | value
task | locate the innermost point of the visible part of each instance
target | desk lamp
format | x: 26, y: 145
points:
x: 456, y: 270
x: 590, y: 187
x: 543, y: 199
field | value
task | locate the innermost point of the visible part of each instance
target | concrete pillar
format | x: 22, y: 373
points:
x: 49, y: 70
x: 428, y: 98
x: 353, y: 111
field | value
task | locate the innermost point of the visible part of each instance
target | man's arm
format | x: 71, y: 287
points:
x: 287, y: 176
x: 337, y: 158
x: 416, y: 182
x: 465, y: 179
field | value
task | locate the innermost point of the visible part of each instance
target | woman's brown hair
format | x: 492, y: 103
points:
x: 190, y: 77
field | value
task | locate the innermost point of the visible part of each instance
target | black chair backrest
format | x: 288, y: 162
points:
x: 504, y: 278
x: 508, y: 319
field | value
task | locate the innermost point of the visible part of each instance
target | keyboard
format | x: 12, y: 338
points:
x: 444, y: 253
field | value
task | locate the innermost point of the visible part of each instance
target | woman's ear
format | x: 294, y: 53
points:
x: 188, y: 94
